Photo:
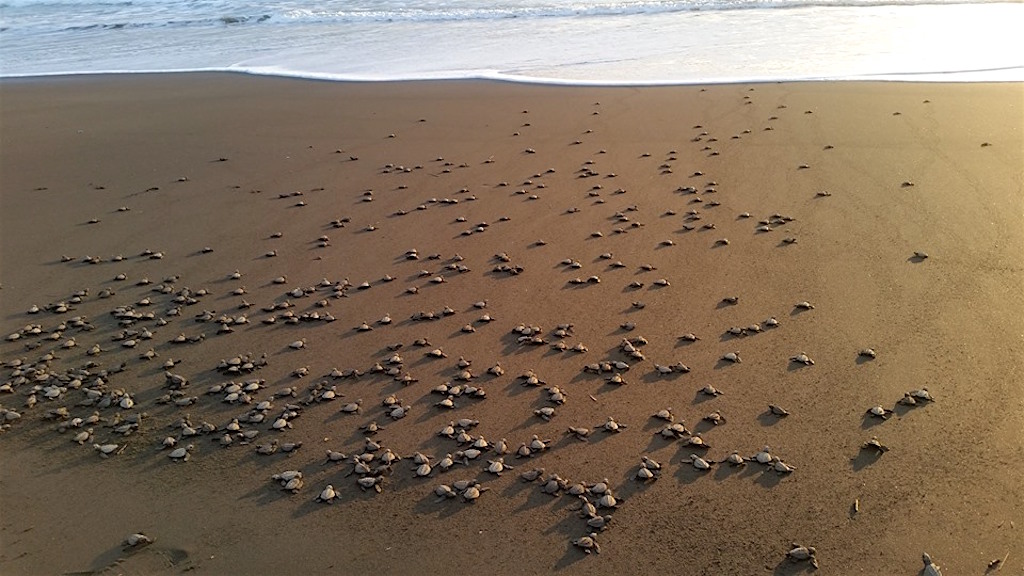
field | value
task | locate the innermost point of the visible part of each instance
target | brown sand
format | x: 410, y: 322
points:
x: 952, y: 484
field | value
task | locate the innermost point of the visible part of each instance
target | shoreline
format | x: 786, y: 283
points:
x: 947, y: 77
x: 108, y: 166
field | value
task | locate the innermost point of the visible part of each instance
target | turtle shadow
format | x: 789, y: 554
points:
x: 723, y: 363
x: 681, y: 343
x: 658, y: 442
x: 868, y: 422
x: 768, y: 418
x: 571, y: 557
x: 514, y: 388
x: 916, y: 259
x: 725, y: 471
x: 655, y: 376
x: 699, y: 397
x: 863, y: 459
x: 518, y: 487
x: 109, y: 560
x: 796, y: 311
x: 794, y: 366
x: 687, y: 474
x: 537, y: 498
x: 439, y: 506
x: 861, y: 359
x: 787, y: 567
x: 768, y: 478
x: 703, y: 426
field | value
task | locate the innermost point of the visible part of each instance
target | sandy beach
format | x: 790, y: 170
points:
x: 364, y: 217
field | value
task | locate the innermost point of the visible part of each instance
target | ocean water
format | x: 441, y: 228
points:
x: 557, y: 41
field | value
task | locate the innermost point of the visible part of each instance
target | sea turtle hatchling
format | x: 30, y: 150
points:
x: 105, y: 450
x: 181, y: 454
x: 588, y: 543
x: 473, y: 492
x: 531, y: 475
x: 781, y: 467
x: 371, y: 482
x: 664, y: 414
x: 546, y: 412
x: 715, y: 418
x: 777, y: 410
x: 137, y: 539
x: 444, y: 491
x: 798, y: 553
x: 710, y: 390
x: 733, y: 357
x: 804, y: 305
x: 611, y: 425
x: 879, y: 412
x: 867, y: 353
x: 734, y: 459
x: 497, y: 466
x: 763, y: 456
x: 699, y: 463
x: 645, y: 474
x: 876, y: 445
x: 327, y: 495
x: 930, y: 567
x: 921, y: 394
x: 579, y: 432
x: 802, y: 358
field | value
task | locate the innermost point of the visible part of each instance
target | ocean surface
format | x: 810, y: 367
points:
x: 556, y: 41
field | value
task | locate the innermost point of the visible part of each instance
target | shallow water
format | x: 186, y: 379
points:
x: 594, y: 42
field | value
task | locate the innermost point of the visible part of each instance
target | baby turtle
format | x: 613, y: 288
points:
x: 763, y: 456
x: 137, y: 540
x: 710, y: 390
x: 697, y: 441
x: 733, y: 357
x: 930, y: 567
x: 804, y: 305
x: 645, y: 474
x: 472, y: 492
x: 802, y: 358
x: 498, y: 466
x: 611, y: 425
x: 664, y: 414
x: 734, y: 459
x: 800, y: 553
x: 700, y: 463
x: 879, y: 412
x: 689, y: 337
x: 921, y: 395
x: 105, y: 450
x: 588, y: 543
x: 781, y: 467
x: 531, y: 475
x: 368, y: 482
x: 579, y: 433
x: 778, y: 410
x: 327, y: 495
x: 181, y: 454
x: 731, y: 300
x: 876, y: 445
x: 867, y: 353
x: 715, y: 418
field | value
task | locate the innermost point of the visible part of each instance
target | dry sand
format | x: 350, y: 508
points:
x: 77, y: 149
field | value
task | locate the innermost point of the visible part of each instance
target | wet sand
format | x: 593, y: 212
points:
x: 178, y: 163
